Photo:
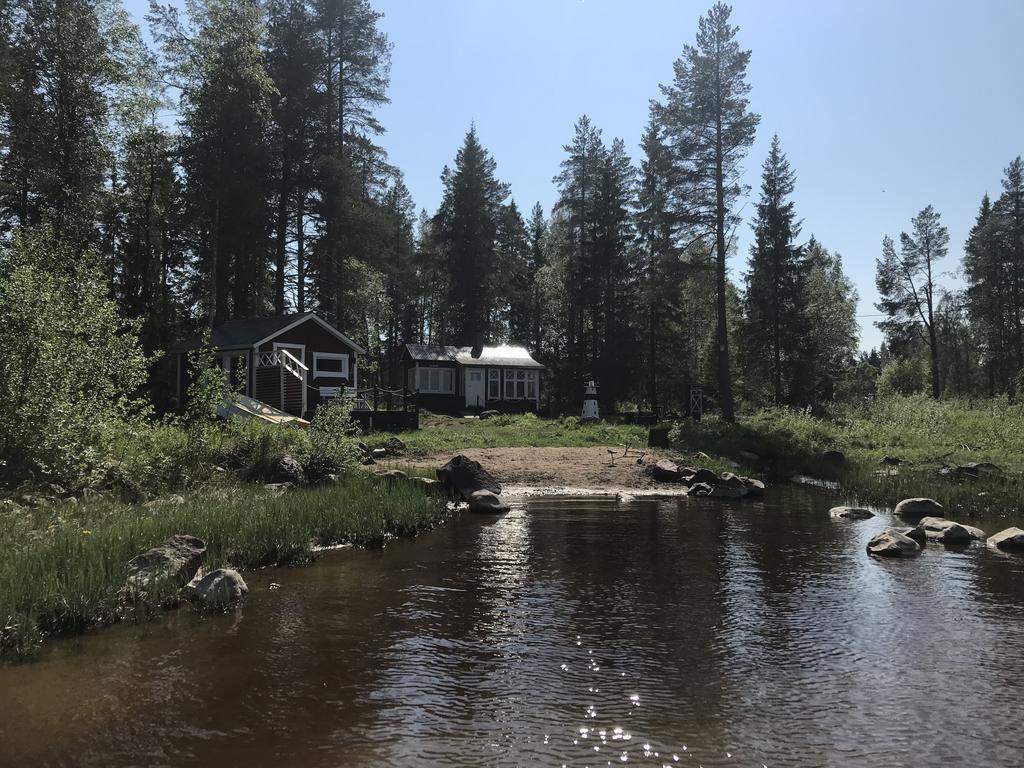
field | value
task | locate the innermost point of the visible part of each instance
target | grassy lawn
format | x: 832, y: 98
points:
x: 63, y: 565
x: 447, y: 434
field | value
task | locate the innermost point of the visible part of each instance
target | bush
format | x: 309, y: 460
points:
x: 70, y: 368
x: 902, y: 377
x: 253, y: 449
x: 333, y: 442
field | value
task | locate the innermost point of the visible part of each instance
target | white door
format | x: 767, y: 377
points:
x: 475, y: 388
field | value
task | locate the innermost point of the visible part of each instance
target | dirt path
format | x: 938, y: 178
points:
x: 560, y: 470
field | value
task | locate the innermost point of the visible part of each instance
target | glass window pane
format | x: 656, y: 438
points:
x: 520, y: 389
x: 520, y: 375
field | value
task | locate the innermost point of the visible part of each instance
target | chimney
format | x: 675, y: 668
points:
x: 478, y: 346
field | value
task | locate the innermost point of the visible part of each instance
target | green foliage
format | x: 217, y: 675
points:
x: 253, y: 449
x: 902, y: 377
x: 333, y: 441
x: 70, y: 368
x: 63, y: 566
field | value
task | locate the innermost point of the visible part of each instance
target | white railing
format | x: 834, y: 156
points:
x: 282, y: 358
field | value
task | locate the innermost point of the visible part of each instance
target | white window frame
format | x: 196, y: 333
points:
x: 318, y: 374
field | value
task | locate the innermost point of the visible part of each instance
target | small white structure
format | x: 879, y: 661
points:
x: 590, y: 402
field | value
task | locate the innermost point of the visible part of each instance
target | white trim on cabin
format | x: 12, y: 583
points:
x: 327, y: 326
x: 302, y: 359
x: 318, y: 374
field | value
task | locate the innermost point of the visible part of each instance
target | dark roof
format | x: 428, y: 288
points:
x: 237, y: 334
x: 504, y: 355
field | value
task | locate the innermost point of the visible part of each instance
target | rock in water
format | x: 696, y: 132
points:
x: 487, y: 502
x: 665, y: 471
x: 464, y: 475
x: 918, y: 508
x: 935, y: 526
x: 176, y: 560
x: 755, y: 488
x: 1011, y: 538
x: 220, y: 589
x: 917, y: 534
x: 891, y: 543
x: 700, y: 489
x: 851, y: 513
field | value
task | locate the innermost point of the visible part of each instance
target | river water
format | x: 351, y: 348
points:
x: 708, y: 633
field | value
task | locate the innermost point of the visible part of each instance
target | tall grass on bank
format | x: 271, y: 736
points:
x: 441, y: 434
x: 63, y: 566
x: 923, y: 434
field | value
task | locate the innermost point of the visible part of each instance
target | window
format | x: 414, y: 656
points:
x: 327, y: 365
x: 494, y: 384
x: 519, y: 384
x: 436, y: 380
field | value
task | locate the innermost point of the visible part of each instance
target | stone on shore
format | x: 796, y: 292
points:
x: 489, y: 414
x: 918, y: 508
x: 464, y: 475
x: 700, y: 489
x: 665, y: 471
x: 851, y: 513
x: 891, y: 543
x: 176, y: 560
x: 486, y: 502
x: 934, y: 526
x: 220, y: 588
x: 391, y: 475
x: 1011, y: 538
x: 702, y: 475
x: 289, y: 470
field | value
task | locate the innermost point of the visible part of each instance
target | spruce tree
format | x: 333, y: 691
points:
x: 465, y: 229
x: 775, y: 324
x: 710, y: 128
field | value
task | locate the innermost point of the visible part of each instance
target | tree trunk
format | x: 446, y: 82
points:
x: 722, y: 334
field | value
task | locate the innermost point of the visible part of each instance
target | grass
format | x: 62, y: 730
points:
x: 446, y: 434
x: 924, y: 434
x: 63, y: 566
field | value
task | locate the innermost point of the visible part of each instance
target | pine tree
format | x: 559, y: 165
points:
x: 512, y: 288
x: 218, y: 62
x: 906, y: 285
x: 987, y: 298
x: 710, y: 129
x: 537, y: 228
x: 465, y: 229
x: 775, y: 324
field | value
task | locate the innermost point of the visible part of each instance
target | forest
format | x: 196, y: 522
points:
x: 269, y: 192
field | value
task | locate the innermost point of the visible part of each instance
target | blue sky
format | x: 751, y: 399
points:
x: 882, y: 107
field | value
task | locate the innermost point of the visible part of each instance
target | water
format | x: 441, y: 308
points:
x: 711, y: 634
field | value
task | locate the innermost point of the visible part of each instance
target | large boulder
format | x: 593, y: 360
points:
x: 891, y: 543
x: 851, y: 513
x: 176, y: 561
x: 465, y: 476
x: 665, y: 471
x: 489, y: 414
x: 220, y: 589
x: 915, y: 509
x: 1011, y: 538
x: 917, y: 533
x: 702, y: 475
x: 394, y: 447
x: 755, y: 488
x: 935, y: 526
x: 700, y: 489
x: 728, y: 492
x: 977, y: 469
x: 289, y: 470
x: 486, y: 502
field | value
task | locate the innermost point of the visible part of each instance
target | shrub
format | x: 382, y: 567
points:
x: 254, y: 448
x: 902, y: 377
x: 333, y: 442
x: 70, y: 368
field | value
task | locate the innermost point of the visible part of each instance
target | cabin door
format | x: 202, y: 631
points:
x: 475, y: 388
